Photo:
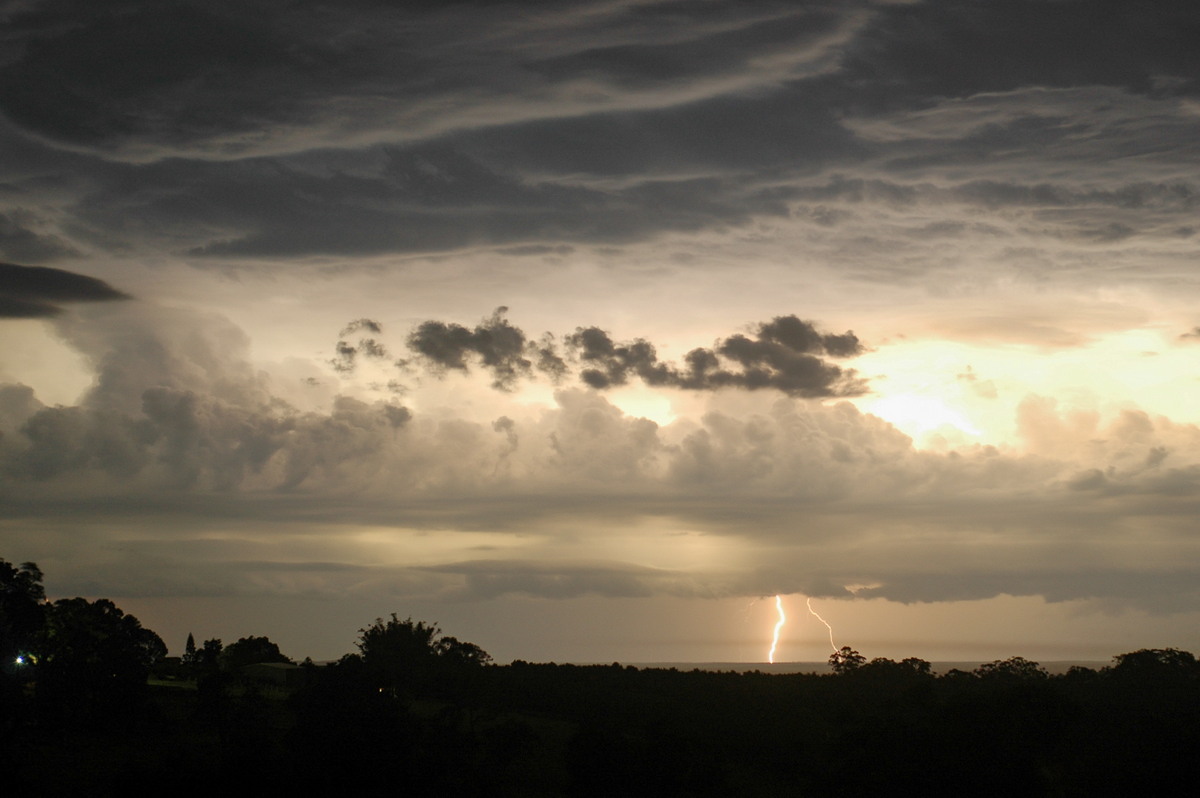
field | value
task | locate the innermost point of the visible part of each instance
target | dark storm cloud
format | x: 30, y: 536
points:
x: 20, y: 242
x: 1176, y: 196
x: 113, y: 74
x: 346, y: 354
x: 370, y: 325
x: 786, y: 354
x: 373, y: 128
x: 910, y: 52
x: 791, y: 126
x: 389, y: 199
x: 500, y: 347
x: 717, y: 41
x: 246, y: 71
x: 28, y: 292
x: 97, y: 75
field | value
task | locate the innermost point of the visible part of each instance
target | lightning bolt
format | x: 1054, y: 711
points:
x: 778, y: 625
x: 832, y: 644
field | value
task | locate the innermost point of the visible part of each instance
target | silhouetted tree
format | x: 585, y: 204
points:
x: 189, y: 652
x: 1012, y: 669
x: 208, y: 658
x: 846, y: 660
x: 407, y: 655
x: 457, y: 652
x: 22, y: 610
x: 93, y: 658
x: 398, y: 654
x: 250, y: 651
x: 349, y: 735
x: 1160, y: 661
x: 917, y: 665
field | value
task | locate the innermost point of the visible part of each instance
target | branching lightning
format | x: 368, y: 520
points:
x: 832, y: 644
x: 778, y: 625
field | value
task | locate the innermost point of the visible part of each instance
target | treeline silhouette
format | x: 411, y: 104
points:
x: 90, y: 705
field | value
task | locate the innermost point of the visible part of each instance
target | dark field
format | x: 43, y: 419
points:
x: 545, y: 729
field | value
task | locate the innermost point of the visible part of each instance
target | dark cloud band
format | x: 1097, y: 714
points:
x: 28, y: 292
x: 787, y: 354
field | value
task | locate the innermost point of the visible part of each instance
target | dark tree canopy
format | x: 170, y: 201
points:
x: 397, y: 643
x: 250, y: 651
x: 22, y: 608
x: 1011, y: 669
x: 1160, y: 660
x: 93, y: 658
x: 846, y: 660
x: 408, y: 655
x: 98, y: 636
x: 208, y: 657
x: 458, y: 652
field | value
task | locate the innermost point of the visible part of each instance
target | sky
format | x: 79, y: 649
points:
x: 585, y: 328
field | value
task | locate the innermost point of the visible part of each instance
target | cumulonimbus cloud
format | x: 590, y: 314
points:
x: 814, y: 496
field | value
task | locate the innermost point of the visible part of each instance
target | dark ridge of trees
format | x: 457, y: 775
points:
x: 416, y: 712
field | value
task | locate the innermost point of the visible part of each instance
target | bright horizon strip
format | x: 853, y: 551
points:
x: 778, y: 625
x: 832, y: 644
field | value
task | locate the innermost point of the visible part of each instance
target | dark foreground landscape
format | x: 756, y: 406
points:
x: 90, y: 705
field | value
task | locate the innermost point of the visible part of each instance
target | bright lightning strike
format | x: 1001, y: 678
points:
x: 778, y: 625
x: 832, y: 644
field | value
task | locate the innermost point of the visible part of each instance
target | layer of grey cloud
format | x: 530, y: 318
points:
x: 118, y: 69
x: 20, y: 240
x: 376, y: 129
x: 484, y: 579
x: 109, y: 75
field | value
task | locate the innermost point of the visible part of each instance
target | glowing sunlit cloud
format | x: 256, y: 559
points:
x: 641, y: 402
x: 918, y: 415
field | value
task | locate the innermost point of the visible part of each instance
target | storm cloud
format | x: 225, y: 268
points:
x: 30, y: 292
x: 194, y: 421
x: 501, y: 348
x: 786, y: 354
x: 593, y: 124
